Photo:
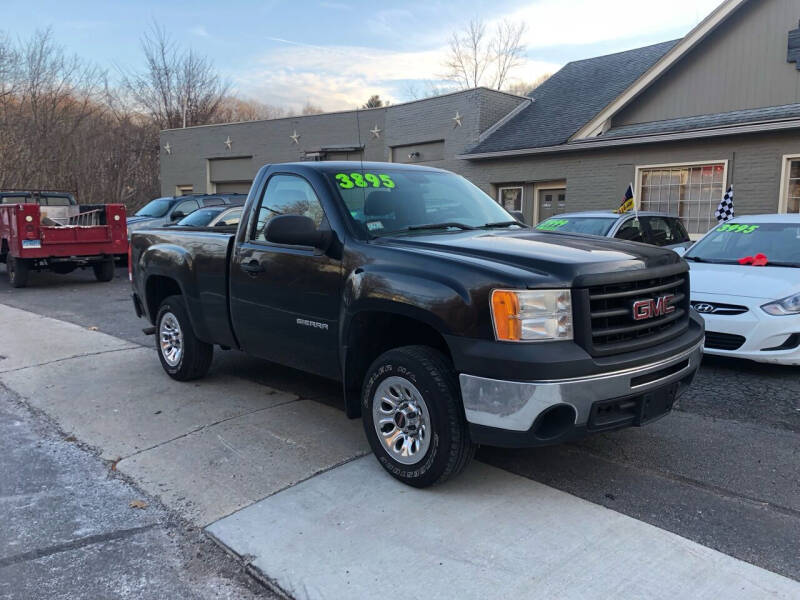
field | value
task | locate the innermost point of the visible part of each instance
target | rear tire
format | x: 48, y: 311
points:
x: 182, y: 355
x: 413, y: 417
x: 104, y: 271
x: 18, y: 270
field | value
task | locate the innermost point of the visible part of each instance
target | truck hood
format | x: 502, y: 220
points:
x: 766, y: 283
x: 554, y: 255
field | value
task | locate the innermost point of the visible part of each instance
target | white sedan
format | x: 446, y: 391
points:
x: 745, y: 282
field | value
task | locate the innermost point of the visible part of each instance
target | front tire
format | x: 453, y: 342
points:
x: 183, y: 356
x: 413, y: 417
x: 18, y: 270
x: 104, y: 270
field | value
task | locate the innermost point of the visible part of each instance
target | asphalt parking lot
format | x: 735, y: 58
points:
x: 723, y: 470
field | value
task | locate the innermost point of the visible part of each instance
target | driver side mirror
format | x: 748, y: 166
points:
x: 296, y: 230
x: 177, y: 215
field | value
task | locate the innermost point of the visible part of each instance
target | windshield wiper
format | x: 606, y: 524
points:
x: 447, y: 225
x: 501, y: 224
x: 711, y: 260
x: 778, y: 263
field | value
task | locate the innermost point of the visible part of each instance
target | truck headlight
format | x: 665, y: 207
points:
x: 788, y: 306
x: 532, y: 315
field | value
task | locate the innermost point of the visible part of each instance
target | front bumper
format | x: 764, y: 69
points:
x: 530, y: 413
x: 767, y: 338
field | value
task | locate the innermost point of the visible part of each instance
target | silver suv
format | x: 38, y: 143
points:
x: 655, y: 228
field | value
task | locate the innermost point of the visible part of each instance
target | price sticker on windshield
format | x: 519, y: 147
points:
x: 552, y: 224
x: 363, y: 180
x: 737, y: 228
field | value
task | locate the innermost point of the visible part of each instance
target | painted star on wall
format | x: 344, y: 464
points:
x: 168, y: 148
x: 376, y: 131
x: 457, y: 120
x: 295, y: 137
x: 228, y: 143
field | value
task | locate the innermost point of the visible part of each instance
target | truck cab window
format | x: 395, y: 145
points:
x: 286, y: 195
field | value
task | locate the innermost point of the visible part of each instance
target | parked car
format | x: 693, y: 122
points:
x: 171, y: 209
x: 448, y: 323
x: 46, y: 230
x: 746, y: 286
x: 213, y: 216
x: 658, y: 229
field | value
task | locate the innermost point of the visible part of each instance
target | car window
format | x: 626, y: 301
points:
x: 200, y: 217
x: 392, y: 201
x: 185, y: 207
x: 577, y: 224
x: 230, y: 218
x: 729, y: 242
x: 631, y: 230
x: 155, y: 208
x: 665, y: 231
x: 17, y: 199
x: 286, y: 195
x: 55, y: 201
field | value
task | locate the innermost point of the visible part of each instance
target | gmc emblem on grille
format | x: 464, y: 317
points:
x: 653, y: 307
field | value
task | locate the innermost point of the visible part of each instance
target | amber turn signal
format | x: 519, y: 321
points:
x: 505, y: 310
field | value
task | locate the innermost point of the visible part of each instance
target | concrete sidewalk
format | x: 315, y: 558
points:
x: 320, y: 524
x: 205, y: 448
x: 487, y: 534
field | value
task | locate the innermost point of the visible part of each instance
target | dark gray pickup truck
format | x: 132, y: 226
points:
x: 448, y: 322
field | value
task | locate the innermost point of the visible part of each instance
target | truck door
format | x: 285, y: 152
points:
x: 285, y: 299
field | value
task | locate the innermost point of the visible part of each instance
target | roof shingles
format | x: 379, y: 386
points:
x: 570, y: 98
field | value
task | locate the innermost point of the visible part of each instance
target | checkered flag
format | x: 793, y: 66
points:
x: 725, y: 210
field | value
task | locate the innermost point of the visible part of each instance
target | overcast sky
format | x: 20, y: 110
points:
x: 336, y: 53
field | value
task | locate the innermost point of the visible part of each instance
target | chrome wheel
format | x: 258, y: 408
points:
x: 171, y: 339
x: 401, y: 420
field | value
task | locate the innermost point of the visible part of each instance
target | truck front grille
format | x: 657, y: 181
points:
x: 612, y: 326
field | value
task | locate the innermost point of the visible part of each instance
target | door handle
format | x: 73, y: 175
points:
x: 252, y: 267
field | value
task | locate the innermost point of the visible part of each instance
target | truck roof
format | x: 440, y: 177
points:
x: 350, y: 165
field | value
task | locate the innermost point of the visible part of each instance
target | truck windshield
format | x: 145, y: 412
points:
x: 394, y: 201
x: 156, y: 208
x: 572, y: 224
x: 729, y: 242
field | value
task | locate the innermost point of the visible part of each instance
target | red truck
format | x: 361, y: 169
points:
x: 43, y: 230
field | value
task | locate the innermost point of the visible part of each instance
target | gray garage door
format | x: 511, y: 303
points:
x: 232, y: 187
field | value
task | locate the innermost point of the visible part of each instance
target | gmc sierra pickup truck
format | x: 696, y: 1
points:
x: 448, y: 322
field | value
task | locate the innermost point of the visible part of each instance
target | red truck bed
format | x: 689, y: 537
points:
x: 93, y: 235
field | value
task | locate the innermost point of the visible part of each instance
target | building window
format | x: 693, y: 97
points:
x: 183, y: 190
x: 691, y: 192
x: 790, y: 190
x: 510, y: 198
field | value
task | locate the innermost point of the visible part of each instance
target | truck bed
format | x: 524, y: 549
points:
x: 30, y: 233
x: 204, y: 256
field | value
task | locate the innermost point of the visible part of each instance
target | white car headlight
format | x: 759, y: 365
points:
x: 532, y: 315
x: 788, y: 306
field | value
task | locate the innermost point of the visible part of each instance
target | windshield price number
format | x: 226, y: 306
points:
x: 734, y: 228
x: 362, y: 180
x: 552, y: 224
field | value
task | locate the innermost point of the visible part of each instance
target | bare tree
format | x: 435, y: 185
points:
x: 233, y: 109
x: 311, y: 109
x: 177, y: 88
x: 525, y: 88
x: 476, y: 58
